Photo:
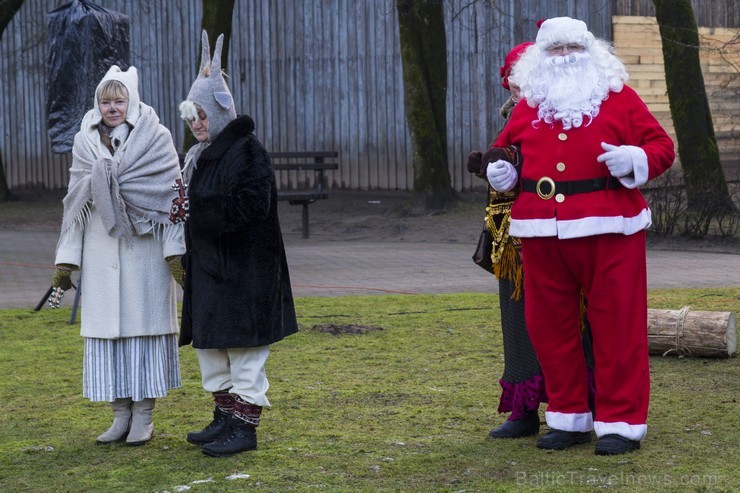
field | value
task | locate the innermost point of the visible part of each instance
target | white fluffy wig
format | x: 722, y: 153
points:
x: 568, y: 88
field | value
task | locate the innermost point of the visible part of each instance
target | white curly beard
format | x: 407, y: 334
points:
x: 568, y: 89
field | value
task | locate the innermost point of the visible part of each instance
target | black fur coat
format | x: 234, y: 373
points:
x: 237, y: 289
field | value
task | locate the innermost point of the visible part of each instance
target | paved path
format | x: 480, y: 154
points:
x: 341, y: 268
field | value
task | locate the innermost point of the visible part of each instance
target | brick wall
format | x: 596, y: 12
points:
x: 637, y: 42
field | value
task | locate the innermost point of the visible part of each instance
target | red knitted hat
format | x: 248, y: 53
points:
x: 512, y: 57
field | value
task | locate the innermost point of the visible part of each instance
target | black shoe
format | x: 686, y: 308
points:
x: 525, y: 426
x: 239, y: 437
x: 211, y: 432
x: 561, y: 440
x: 613, y: 444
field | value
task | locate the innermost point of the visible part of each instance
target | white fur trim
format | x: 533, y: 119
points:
x: 632, y: 432
x: 590, y: 226
x: 639, y: 168
x: 569, y: 421
x: 189, y: 111
x: 530, y: 228
x: 563, y: 30
x: 578, y: 228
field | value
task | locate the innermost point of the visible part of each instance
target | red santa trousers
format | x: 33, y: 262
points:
x: 612, y: 271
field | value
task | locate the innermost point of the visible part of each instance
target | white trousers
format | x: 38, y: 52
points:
x: 240, y: 371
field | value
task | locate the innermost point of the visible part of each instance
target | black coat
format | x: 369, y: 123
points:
x: 237, y: 289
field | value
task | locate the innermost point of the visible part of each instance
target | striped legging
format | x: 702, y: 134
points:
x: 135, y: 367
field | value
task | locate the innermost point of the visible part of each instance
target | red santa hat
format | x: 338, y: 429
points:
x: 509, y: 61
x: 563, y: 30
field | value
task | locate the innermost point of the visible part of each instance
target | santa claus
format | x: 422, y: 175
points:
x: 587, y: 142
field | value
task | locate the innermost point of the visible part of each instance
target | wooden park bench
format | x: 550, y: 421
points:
x: 297, y: 162
x: 308, y: 189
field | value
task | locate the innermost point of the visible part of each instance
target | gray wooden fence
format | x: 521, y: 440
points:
x: 314, y: 75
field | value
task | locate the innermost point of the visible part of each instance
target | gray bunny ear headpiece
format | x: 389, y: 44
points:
x: 210, y: 92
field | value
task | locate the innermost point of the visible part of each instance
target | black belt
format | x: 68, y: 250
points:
x: 546, y: 187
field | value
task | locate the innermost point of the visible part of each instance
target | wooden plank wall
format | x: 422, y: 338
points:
x: 161, y: 49
x: 313, y: 75
x: 637, y: 41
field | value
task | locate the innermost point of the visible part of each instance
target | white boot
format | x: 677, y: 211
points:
x: 142, y: 427
x: 121, y: 422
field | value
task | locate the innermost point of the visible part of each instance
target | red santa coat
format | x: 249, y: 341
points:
x: 569, y: 244
x: 565, y: 155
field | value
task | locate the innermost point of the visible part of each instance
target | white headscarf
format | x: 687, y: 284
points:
x: 132, y: 189
x: 130, y: 79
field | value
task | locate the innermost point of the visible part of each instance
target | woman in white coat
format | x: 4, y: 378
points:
x: 116, y: 229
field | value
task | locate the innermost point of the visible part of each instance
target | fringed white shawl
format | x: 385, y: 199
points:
x: 132, y: 190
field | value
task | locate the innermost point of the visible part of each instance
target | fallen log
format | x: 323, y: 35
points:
x: 691, y: 333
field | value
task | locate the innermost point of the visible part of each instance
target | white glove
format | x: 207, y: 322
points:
x: 501, y: 175
x: 617, y: 159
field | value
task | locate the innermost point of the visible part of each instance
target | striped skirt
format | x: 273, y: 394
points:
x: 135, y: 367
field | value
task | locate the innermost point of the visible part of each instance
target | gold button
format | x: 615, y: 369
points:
x: 560, y: 167
x: 562, y: 136
x: 560, y: 198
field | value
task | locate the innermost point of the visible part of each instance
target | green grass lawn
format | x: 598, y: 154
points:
x: 405, y: 408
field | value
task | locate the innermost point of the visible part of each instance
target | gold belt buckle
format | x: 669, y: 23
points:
x: 538, y: 188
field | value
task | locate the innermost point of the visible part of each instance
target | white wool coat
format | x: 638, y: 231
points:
x: 127, y: 289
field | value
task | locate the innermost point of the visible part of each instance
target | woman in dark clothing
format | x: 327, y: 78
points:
x: 237, y: 295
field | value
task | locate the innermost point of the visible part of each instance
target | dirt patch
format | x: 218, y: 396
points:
x: 339, y: 329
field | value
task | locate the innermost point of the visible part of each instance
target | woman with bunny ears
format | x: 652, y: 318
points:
x: 237, y: 299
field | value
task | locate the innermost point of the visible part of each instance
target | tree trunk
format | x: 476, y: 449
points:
x: 4, y: 190
x: 424, y: 57
x: 692, y: 119
x: 8, y: 8
x: 217, y: 17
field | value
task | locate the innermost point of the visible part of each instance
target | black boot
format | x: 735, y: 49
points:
x: 613, y: 444
x: 239, y: 437
x: 211, y: 432
x: 527, y: 425
x: 561, y: 440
